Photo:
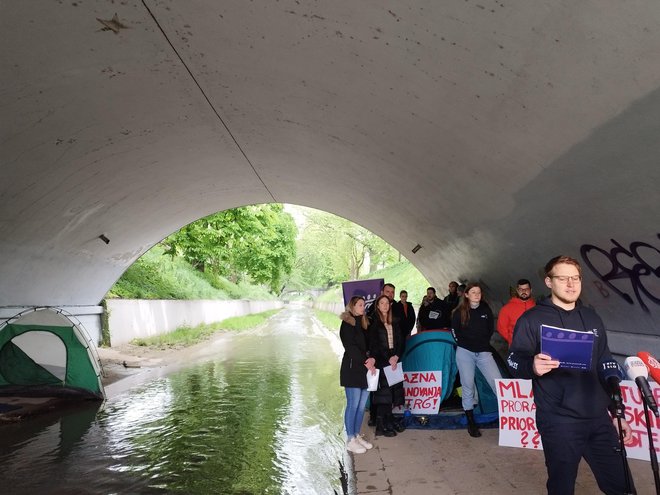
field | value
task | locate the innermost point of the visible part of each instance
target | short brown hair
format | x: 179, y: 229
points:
x: 550, y: 265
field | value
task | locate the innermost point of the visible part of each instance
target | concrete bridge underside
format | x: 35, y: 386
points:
x: 495, y: 134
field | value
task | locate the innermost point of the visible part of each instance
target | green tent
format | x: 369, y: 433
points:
x: 44, y: 352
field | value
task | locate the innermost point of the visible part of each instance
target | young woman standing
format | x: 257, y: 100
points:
x: 353, y: 372
x: 386, y: 346
x: 472, y: 327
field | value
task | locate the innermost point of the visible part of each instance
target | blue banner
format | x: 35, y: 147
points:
x: 369, y: 289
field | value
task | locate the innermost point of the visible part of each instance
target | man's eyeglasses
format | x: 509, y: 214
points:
x: 565, y: 278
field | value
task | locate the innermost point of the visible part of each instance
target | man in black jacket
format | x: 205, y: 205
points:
x: 434, y: 313
x: 571, y: 405
x: 452, y: 299
x: 406, y: 313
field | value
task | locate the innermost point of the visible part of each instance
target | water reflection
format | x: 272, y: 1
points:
x: 264, y: 419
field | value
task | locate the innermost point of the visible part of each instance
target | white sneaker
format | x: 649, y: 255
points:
x: 354, y: 446
x: 361, y: 440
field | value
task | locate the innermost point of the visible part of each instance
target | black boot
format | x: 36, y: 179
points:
x: 383, y: 430
x: 473, y: 430
x: 373, y: 413
x: 394, y: 423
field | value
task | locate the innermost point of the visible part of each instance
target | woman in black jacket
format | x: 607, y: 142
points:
x: 353, y: 372
x: 472, y: 327
x: 385, y: 346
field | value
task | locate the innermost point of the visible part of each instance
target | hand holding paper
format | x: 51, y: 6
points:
x: 572, y: 348
x: 372, y: 379
x: 543, y: 364
x: 393, y: 375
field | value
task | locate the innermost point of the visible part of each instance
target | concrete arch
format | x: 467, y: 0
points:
x: 495, y: 135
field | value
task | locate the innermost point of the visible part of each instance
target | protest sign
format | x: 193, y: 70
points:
x: 632, y: 400
x: 517, y: 414
x: 518, y: 417
x: 423, y: 392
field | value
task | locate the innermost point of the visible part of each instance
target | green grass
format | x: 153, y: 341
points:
x: 333, y: 294
x: 187, y: 336
x: 405, y: 276
x: 156, y: 276
x: 328, y: 319
x: 247, y: 321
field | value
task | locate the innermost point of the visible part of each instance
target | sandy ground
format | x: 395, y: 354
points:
x: 125, y: 360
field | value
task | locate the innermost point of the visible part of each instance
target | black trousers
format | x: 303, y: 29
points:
x: 565, y: 444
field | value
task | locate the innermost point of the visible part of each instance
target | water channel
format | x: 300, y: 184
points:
x: 262, y: 417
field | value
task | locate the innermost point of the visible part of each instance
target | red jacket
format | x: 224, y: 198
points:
x: 509, y: 315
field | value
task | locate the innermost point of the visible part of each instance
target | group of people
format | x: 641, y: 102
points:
x: 572, y: 406
x: 376, y: 339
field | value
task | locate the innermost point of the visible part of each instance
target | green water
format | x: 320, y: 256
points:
x: 265, y: 416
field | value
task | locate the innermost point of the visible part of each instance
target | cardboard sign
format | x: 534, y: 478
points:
x: 517, y: 411
x: 423, y: 392
x: 632, y: 400
x: 518, y: 417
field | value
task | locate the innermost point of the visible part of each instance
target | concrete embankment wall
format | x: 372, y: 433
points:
x: 333, y: 307
x: 129, y: 319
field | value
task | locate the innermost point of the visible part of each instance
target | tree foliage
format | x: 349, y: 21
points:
x: 252, y: 241
x: 332, y: 249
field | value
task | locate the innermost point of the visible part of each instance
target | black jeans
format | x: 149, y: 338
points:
x: 564, y: 444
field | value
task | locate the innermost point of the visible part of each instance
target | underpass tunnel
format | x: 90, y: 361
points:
x: 494, y: 137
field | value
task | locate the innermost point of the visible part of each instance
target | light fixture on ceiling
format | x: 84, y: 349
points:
x: 104, y: 238
x: 416, y: 248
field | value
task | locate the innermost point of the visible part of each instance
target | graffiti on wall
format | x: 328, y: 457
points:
x: 633, y: 269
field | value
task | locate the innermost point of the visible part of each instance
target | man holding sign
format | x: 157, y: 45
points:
x: 571, y: 401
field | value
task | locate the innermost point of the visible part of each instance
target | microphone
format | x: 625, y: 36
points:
x: 636, y: 370
x: 652, y: 365
x: 611, y: 373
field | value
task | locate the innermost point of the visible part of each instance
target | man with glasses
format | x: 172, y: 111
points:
x: 571, y: 405
x: 512, y: 310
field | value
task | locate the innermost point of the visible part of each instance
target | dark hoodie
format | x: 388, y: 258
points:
x: 562, y: 395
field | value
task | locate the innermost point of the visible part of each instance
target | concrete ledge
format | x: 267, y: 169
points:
x: 333, y: 307
x: 89, y: 317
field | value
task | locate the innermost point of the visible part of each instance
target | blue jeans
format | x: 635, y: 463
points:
x: 356, y: 399
x: 467, y: 362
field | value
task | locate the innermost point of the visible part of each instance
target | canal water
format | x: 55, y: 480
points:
x: 264, y: 416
